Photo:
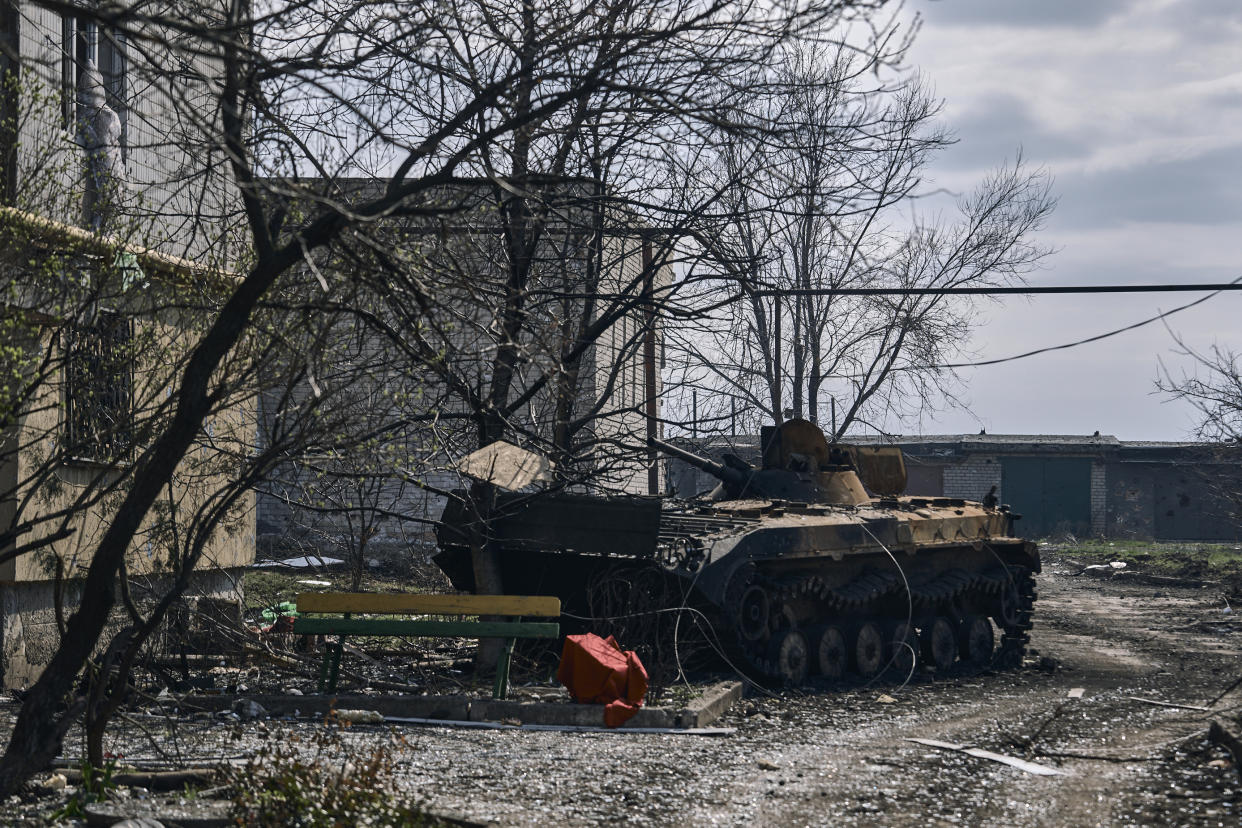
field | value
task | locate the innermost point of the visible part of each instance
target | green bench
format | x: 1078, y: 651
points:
x: 337, y: 613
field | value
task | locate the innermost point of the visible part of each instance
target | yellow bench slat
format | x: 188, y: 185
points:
x: 539, y: 606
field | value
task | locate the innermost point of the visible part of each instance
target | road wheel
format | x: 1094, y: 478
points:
x: 940, y: 642
x: 1009, y: 604
x: 975, y: 640
x: 870, y: 652
x: 832, y: 652
x: 787, y: 654
x: 754, y: 614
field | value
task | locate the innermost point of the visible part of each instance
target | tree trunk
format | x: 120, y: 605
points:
x: 486, y: 566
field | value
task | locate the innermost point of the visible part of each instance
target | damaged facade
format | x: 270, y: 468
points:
x: 114, y: 251
x: 1091, y: 485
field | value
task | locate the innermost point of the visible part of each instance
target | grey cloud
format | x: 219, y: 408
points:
x: 1206, y: 22
x: 1199, y: 190
x: 996, y: 126
x: 1036, y: 13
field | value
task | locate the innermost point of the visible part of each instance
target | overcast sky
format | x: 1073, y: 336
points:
x: 1135, y: 107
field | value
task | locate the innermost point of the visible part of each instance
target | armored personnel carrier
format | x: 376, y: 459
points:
x: 811, y: 563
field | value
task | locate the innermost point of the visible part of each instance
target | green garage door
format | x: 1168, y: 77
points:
x: 1053, y: 494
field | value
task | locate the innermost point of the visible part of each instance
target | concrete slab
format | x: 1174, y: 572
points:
x: 710, y: 705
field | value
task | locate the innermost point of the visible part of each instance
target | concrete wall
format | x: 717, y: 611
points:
x: 177, y: 199
x: 29, y: 635
x: 301, y: 511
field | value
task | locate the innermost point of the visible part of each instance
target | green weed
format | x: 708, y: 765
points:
x: 322, y: 782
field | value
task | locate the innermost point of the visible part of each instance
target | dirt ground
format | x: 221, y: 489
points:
x: 843, y: 758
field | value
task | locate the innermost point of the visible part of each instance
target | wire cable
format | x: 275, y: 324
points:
x: 914, y: 661
x: 1025, y: 290
x: 1089, y: 339
x: 716, y: 646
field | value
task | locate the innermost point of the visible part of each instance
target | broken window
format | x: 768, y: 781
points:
x: 83, y: 42
x: 99, y: 388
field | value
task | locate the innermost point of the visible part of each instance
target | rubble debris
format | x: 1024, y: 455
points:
x: 1218, y: 734
x: 554, y: 728
x: 505, y: 465
x: 301, y: 562
x: 358, y: 716
x: 1075, y: 693
x: 152, y: 780
x: 55, y: 782
x: 249, y: 709
x: 148, y: 813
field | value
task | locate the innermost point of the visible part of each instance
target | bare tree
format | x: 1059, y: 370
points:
x: 1213, y: 387
x: 817, y: 214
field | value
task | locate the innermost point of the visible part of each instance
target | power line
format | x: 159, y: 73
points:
x: 994, y: 291
x: 1234, y: 285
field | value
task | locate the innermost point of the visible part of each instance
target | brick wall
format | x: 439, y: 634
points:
x: 1099, y: 498
x: 973, y: 478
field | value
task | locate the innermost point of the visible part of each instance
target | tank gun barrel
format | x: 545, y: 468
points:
x: 731, y: 477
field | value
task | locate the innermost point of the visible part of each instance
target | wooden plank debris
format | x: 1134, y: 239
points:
x: 671, y: 731
x: 404, y: 627
x: 542, y: 606
x: 1012, y: 761
x: 1170, y: 704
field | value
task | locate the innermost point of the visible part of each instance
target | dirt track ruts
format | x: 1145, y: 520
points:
x: 842, y: 758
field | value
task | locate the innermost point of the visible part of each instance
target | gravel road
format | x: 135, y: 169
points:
x: 843, y: 758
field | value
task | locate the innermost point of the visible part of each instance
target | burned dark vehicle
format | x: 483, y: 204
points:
x: 812, y: 563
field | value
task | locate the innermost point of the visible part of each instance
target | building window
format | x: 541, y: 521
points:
x: 83, y: 42
x: 99, y: 383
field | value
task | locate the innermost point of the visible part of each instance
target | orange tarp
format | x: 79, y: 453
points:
x: 597, y: 671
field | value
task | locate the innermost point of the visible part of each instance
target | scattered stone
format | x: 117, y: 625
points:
x: 249, y: 709
x: 55, y: 782
x: 359, y: 716
x: 767, y: 764
x: 885, y: 698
